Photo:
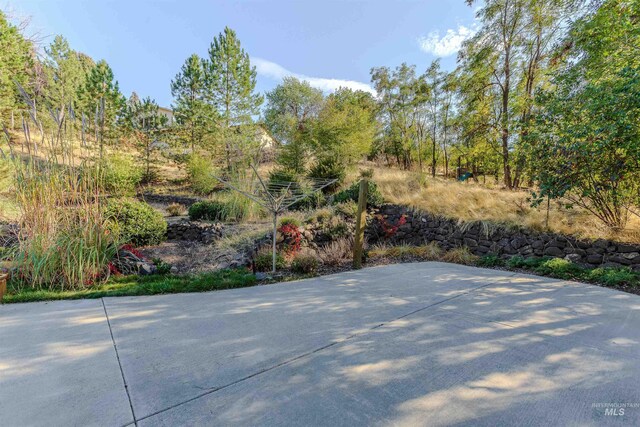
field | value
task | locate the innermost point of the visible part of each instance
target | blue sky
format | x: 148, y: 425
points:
x: 331, y: 43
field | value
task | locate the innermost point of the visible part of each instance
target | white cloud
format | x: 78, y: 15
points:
x: 448, y: 44
x: 277, y: 72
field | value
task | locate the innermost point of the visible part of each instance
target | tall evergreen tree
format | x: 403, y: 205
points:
x: 101, y: 97
x: 64, y: 73
x: 15, y: 62
x: 147, y: 124
x: 231, y: 82
x: 195, y: 118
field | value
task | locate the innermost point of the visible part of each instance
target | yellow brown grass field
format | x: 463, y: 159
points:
x: 470, y: 201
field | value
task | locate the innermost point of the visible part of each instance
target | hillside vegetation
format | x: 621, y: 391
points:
x: 538, y: 125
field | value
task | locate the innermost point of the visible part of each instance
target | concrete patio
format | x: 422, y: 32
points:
x: 412, y: 344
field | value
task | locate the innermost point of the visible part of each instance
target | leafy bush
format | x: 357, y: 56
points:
x: 374, y: 197
x: 176, y: 209
x: 136, y: 222
x: 338, y: 230
x: 490, y: 260
x: 209, y: 210
x: 327, y: 169
x: 304, y: 264
x: 162, y: 267
x: 263, y: 261
x: 292, y: 239
x: 560, y: 268
x: 121, y: 175
x: 201, y: 175
x: 613, y: 276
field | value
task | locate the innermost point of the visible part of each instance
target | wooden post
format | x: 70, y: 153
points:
x: 275, y: 232
x: 3, y: 285
x: 361, y: 219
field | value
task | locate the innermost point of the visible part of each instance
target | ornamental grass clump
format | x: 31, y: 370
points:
x: 64, y: 240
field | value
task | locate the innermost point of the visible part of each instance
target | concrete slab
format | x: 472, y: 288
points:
x: 195, y: 343
x: 58, y: 366
x: 590, y: 315
x: 428, y: 370
x: 412, y: 344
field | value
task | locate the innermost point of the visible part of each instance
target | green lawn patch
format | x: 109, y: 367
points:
x: 141, y: 285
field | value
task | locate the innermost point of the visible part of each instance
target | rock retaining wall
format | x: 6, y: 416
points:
x: 194, y: 231
x: 422, y: 228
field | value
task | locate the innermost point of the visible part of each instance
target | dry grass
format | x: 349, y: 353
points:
x: 428, y: 252
x: 337, y: 252
x: 460, y: 256
x: 470, y: 201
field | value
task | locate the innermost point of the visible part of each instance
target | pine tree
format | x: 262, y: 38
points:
x: 231, y: 82
x: 15, y: 62
x: 146, y: 124
x: 195, y: 118
x: 64, y: 73
x: 101, y: 96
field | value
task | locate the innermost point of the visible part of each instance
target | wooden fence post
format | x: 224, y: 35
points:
x: 361, y: 219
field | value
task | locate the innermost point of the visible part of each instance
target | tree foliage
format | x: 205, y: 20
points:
x: 195, y: 117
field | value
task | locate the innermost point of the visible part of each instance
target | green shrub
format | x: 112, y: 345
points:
x: 490, y: 260
x: 287, y: 220
x: 374, y: 197
x: 336, y: 231
x: 201, y: 175
x: 529, y: 263
x: 264, y: 261
x: 321, y: 215
x: 348, y: 209
x: 312, y: 201
x: 209, y: 210
x: 560, y: 268
x: 304, y: 264
x: 327, y: 169
x: 279, y: 177
x: 121, y: 175
x: 136, y: 222
x: 162, y: 267
x: 613, y: 276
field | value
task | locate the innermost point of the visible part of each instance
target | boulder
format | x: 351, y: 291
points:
x: 129, y: 263
x: 554, y: 251
x: 573, y: 258
x: 594, y: 259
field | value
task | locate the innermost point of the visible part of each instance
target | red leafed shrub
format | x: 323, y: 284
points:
x: 133, y: 250
x: 113, y: 270
x: 390, y: 229
x: 292, y: 238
